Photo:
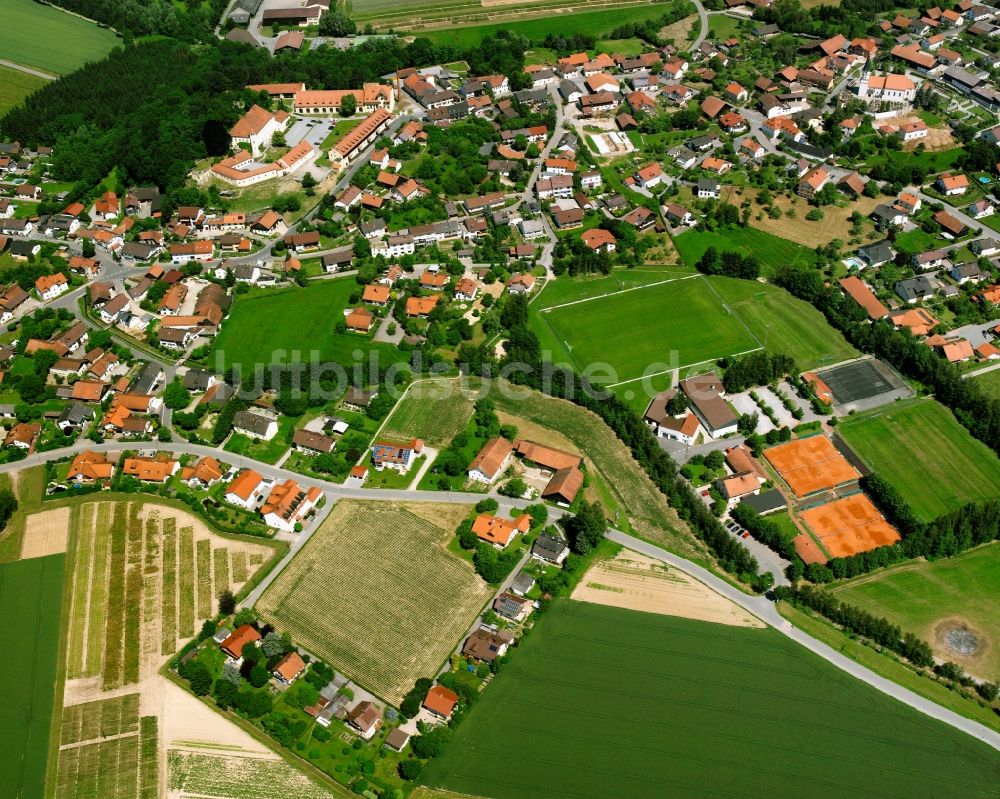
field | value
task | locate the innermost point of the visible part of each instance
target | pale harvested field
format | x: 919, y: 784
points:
x: 835, y: 223
x: 377, y: 595
x: 45, y: 533
x: 208, y: 775
x: 636, y: 582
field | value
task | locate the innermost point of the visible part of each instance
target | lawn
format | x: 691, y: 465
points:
x: 266, y: 451
x: 663, y: 326
x: 569, y: 289
x: 30, y: 604
x: 51, y: 40
x: 376, y: 593
x: 15, y: 86
x: 434, y: 411
x: 771, y: 251
x: 789, y: 325
x: 600, y: 701
x: 920, y: 596
x: 295, y: 325
x: 989, y: 382
x: 922, y: 450
x: 915, y: 241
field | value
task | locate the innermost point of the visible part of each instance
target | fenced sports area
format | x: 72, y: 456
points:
x: 811, y: 464
x: 864, y: 384
x: 849, y: 525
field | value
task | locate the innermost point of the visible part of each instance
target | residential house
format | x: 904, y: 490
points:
x: 246, y: 490
x: 400, y: 457
x: 491, y: 461
x: 256, y: 423
x: 498, y: 531
x: 288, y: 504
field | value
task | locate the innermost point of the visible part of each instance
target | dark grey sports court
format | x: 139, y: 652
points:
x: 861, y: 385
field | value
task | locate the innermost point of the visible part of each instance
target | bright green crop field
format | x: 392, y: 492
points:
x: 51, y: 40
x: 273, y: 324
x: 599, y: 702
x: 630, y: 330
x: 30, y: 605
x: 922, y: 450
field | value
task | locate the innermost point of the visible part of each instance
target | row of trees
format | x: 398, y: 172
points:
x: 860, y: 622
x: 729, y: 263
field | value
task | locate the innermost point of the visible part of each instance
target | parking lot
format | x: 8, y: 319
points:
x: 312, y: 129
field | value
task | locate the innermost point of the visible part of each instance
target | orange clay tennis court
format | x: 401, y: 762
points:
x: 810, y: 464
x: 850, y: 525
x: 808, y: 549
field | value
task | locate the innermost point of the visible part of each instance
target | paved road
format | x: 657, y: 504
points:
x: 764, y: 609
x: 28, y: 70
x: 703, y: 21
x: 759, y: 606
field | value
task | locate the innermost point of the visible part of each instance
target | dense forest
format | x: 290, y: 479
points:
x: 152, y: 109
x: 191, y: 20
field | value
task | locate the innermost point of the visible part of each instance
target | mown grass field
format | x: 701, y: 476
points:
x: 376, y: 593
x: 632, y: 498
x: 771, y: 251
x: 919, y: 595
x: 672, y: 324
x: 789, y: 325
x: 30, y: 605
x: 15, y: 86
x: 922, y: 450
x: 290, y: 325
x: 435, y: 411
x: 601, y: 702
x: 51, y: 40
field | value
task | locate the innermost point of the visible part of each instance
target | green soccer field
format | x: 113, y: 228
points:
x: 920, y: 596
x: 771, y: 251
x: 789, y: 325
x: 271, y: 325
x: 51, y: 40
x: 599, y: 702
x: 631, y: 330
x: 30, y: 605
x: 922, y: 450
